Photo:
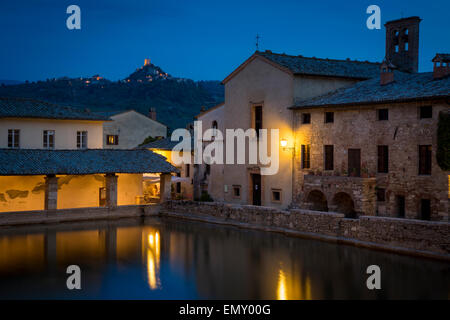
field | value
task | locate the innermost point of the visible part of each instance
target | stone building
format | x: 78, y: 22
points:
x: 356, y: 137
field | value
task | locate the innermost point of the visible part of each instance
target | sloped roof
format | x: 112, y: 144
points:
x: 210, y: 109
x: 445, y: 57
x: 89, y: 161
x: 164, y: 144
x: 112, y: 113
x: 31, y: 108
x: 299, y: 65
x: 406, y: 87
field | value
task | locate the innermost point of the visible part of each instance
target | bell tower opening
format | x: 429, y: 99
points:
x: 402, y: 43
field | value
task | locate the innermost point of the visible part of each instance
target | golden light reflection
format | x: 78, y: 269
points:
x: 281, y: 291
x: 153, y: 247
x: 292, y: 287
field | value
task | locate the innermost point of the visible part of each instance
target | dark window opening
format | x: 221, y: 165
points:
x: 306, y: 118
x: 329, y: 157
x: 276, y: 195
x: 329, y: 117
x: 381, y: 194
x: 425, y: 209
x: 426, y: 112
x: 354, y: 162
x: 425, y: 160
x: 208, y: 169
x: 306, y: 160
x: 258, y: 119
x: 383, y: 114
x: 383, y: 159
x: 188, y: 171
x: 237, y: 191
x: 400, y: 202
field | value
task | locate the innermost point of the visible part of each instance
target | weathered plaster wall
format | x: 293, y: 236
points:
x: 24, y: 193
x: 32, y: 132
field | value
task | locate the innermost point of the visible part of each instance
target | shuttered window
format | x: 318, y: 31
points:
x: 383, y: 159
x: 329, y: 157
x: 425, y: 159
x: 306, y: 156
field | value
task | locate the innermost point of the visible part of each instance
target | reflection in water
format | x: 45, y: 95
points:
x: 132, y: 259
x: 153, y: 256
x: 281, y: 291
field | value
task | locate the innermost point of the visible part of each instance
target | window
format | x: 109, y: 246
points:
x: 258, y: 119
x: 383, y: 114
x: 381, y: 194
x: 426, y: 112
x: 112, y: 140
x: 81, y: 139
x: 208, y: 169
x: 49, y: 139
x: 276, y: 195
x: 406, y: 46
x: 236, y: 191
x: 425, y: 209
x: 306, y: 118
x: 188, y: 169
x: 13, y: 138
x: 425, y: 160
x: 328, y: 155
x: 383, y: 159
x: 400, y: 203
x: 329, y: 117
x: 306, y: 161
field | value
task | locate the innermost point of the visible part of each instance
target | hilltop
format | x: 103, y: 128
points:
x: 177, y: 100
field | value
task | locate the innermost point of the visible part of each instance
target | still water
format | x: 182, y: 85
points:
x: 171, y: 259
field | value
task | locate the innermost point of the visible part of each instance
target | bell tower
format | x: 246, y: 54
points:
x: 402, y: 43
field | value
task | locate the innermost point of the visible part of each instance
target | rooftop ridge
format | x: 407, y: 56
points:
x: 315, y: 58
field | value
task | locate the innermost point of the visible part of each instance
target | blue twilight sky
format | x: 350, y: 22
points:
x: 198, y: 39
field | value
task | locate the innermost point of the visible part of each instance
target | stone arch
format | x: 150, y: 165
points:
x: 343, y: 203
x: 317, y: 201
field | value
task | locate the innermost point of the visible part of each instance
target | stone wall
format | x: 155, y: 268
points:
x: 429, y: 238
x: 77, y: 214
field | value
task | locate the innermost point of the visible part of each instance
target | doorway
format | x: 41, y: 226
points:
x: 256, y: 192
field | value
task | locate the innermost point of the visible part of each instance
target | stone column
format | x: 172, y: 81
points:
x: 111, y: 190
x: 51, y: 192
x: 165, y: 187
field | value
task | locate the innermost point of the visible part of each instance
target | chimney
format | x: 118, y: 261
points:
x: 441, y: 67
x: 152, y: 114
x: 402, y: 43
x: 202, y: 109
x: 387, y: 72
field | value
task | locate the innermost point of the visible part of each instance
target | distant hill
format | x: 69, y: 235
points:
x: 177, y: 100
x: 9, y: 82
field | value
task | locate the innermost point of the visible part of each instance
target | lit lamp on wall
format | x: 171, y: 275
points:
x: 284, y: 143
